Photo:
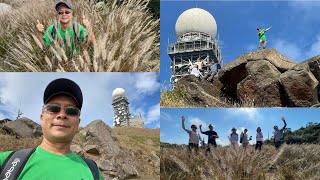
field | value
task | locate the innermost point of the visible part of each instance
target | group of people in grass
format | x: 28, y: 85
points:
x: 194, y: 137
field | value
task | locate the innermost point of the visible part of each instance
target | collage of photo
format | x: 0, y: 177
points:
x: 216, y: 90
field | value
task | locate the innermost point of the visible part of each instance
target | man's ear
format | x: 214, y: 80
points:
x: 41, y: 117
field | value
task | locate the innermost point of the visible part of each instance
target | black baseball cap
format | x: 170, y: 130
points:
x: 63, y: 86
x: 63, y: 4
x: 193, y: 126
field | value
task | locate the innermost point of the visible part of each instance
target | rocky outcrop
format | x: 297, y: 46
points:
x: 23, y: 128
x: 199, y: 92
x: 100, y: 145
x: 262, y: 78
x: 260, y: 85
x: 301, y: 87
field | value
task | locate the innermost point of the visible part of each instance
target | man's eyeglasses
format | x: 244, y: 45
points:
x: 70, y: 110
x: 64, y: 12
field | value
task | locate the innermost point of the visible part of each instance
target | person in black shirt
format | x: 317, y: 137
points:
x: 212, y: 135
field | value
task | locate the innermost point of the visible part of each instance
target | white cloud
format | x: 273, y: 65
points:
x: 295, y: 52
x: 288, y: 49
x: 146, y: 82
x: 251, y: 114
x: 165, y: 116
x: 153, y: 114
x: 197, y: 121
x: 315, y: 48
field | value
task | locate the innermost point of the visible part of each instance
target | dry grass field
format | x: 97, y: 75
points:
x: 290, y: 162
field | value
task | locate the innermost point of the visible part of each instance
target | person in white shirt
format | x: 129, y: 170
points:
x: 194, y: 137
x: 195, y: 71
x: 234, y: 138
x: 259, y: 138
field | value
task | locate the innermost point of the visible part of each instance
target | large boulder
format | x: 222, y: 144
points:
x: 24, y: 128
x: 101, y: 146
x: 273, y: 56
x: 301, y: 87
x: 234, y: 72
x: 261, y: 87
x: 200, y: 92
x: 98, y: 133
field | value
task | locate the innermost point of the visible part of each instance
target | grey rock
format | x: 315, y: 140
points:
x: 261, y: 87
x: 24, y: 128
x: 77, y: 149
x: 92, y: 149
x: 301, y: 87
x: 200, y: 93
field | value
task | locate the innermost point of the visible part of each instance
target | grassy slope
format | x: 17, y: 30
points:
x: 290, y: 162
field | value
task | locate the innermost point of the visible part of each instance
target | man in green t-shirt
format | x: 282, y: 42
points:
x: 262, y: 37
x: 60, y: 118
x: 66, y: 31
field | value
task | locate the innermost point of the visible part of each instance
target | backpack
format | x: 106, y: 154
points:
x: 14, y: 164
x: 75, y: 28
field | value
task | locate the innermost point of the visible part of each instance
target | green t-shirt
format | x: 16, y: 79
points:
x: 262, y: 35
x: 46, y: 165
x: 61, y: 35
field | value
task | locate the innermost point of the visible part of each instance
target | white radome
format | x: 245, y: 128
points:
x: 118, y: 92
x: 196, y: 20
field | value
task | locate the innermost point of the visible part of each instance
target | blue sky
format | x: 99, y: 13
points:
x: 25, y: 90
x: 225, y: 118
x: 295, y: 32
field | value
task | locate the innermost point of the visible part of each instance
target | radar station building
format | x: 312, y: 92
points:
x: 196, y: 31
x: 122, y: 115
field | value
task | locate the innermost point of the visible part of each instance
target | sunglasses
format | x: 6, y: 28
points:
x: 70, y: 110
x: 64, y: 12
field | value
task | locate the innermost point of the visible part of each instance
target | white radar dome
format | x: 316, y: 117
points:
x: 196, y: 20
x: 118, y: 92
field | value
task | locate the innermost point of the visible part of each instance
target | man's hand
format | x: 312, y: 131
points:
x: 40, y: 26
x: 85, y: 22
x: 183, y: 119
x: 200, y: 125
x: 283, y: 119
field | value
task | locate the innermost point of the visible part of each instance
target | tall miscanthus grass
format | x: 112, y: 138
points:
x: 127, y: 39
x: 224, y: 163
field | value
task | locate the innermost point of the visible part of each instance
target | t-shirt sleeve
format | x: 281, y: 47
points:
x: 46, y: 35
x: 4, y: 156
x: 83, y: 33
x: 206, y: 133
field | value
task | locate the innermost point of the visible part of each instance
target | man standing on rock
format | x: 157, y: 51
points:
x: 278, y: 134
x: 212, y: 135
x: 262, y: 37
x: 53, y: 159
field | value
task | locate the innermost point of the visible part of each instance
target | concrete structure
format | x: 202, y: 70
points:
x: 196, y: 32
x: 120, y: 108
x: 120, y: 105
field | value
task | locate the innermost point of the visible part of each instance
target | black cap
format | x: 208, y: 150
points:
x: 63, y: 86
x: 62, y: 3
x: 193, y: 126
